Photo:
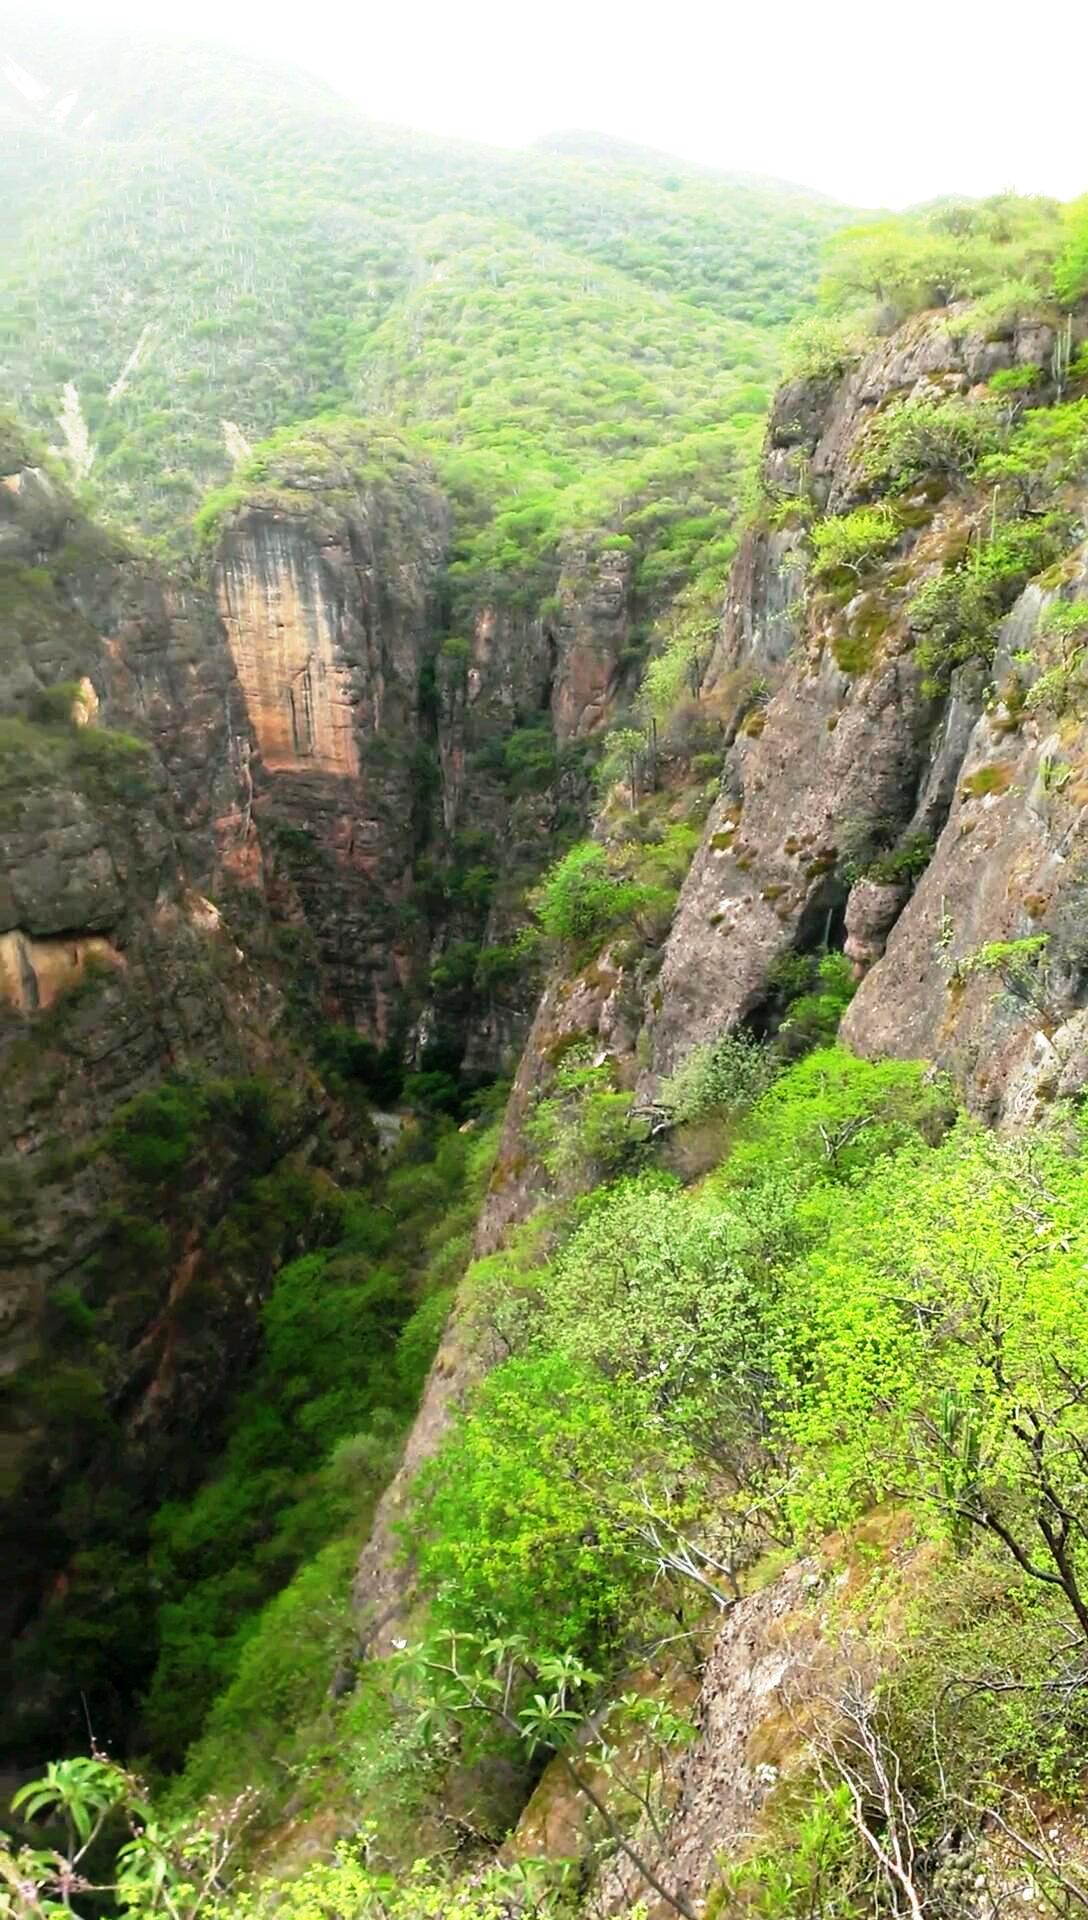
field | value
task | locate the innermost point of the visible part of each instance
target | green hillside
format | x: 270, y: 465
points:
x: 225, y: 241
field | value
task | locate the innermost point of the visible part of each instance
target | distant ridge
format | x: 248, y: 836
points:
x: 606, y: 149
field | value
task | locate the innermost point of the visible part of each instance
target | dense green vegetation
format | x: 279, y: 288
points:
x: 1008, y: 254
x: 159, y: 1599
x: 348, y: 1336
x: 883, y: 1314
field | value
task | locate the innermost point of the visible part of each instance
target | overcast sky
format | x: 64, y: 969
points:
x: 875, y: 103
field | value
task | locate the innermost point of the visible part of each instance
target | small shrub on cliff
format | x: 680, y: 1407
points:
x: 955, y: 615
x: 1062, y: 687
x: 724, y: 1076
x: 912, y: 439
x: 852, y: 542
x: 903, y: 863
x: 1014, y: 383
x: 584, y: 1125
x: 996, y: 313
x: 530, y: 759
x: 581, y: 900
x: 1048, y: 449
x: 812, y: 1019
x: 53, y: 706
x: 155, y: 1135
x: 822, y: 346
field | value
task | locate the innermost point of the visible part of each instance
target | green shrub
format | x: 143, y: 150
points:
x: 812, y: 1019
x: 1016, y: 380
x: 676, y: 672
x: 510, y: 1530
x: 810, y: 1861
x: 1071, y: 267
x: 893, y: 1380
x: 530, y: 760
x: 629, y: 757
x: 955, y: 615
x: 903, y: 862
x: 1019, y: 964
x: 417, y: 1341
x: 830, y: 1117
x: 581, y: 900
x: 978, y: 1616
x: 913, y: 439
x: 329, y: 1369
x: 281, y: 1680
x: 584, y: 1125
x: 723, y: 1077
x: 644, y: 1261
x: 822, y: 347
x: 852, y: 542
x: 996, y: 313
x: 432, y: 1091
x: 1046, y: 450
x: 156, y: 1135
x: 52, y: 706
x: 1062, y: 687
x: 349, y: 1060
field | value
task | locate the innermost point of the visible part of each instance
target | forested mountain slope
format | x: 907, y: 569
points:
x: 204, y: 239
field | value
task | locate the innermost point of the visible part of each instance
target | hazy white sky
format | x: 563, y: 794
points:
x: 879, y: 103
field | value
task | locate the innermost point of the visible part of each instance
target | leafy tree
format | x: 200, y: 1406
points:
x: 952, y: 251
x: 953, y: 1368
x: 510, y: 1528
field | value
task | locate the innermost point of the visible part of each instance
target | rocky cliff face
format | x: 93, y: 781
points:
x: 849, y: 752
x: 408, y: 771
x: 131, y: 886
x: 126, y: 807
x: 328, y: 602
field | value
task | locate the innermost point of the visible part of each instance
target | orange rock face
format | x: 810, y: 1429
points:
x: 282, y: 633
x: 34, y: 973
